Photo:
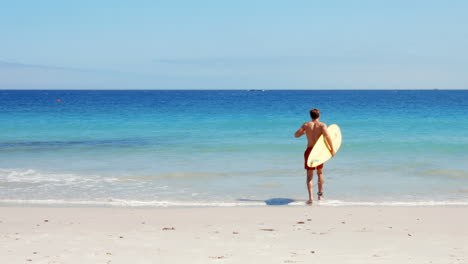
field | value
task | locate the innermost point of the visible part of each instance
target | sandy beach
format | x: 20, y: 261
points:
x: 276, y: 234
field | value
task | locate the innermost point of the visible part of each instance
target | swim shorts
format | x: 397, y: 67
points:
x: 306, y: 156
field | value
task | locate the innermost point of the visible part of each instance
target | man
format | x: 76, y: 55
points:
x: 313, y: 130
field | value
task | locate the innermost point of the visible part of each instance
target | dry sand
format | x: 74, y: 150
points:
x: 275, y: 234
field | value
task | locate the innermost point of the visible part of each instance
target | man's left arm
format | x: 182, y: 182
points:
x: 329, y: 141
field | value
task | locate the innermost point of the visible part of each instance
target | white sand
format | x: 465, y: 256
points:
x: 303, y: 234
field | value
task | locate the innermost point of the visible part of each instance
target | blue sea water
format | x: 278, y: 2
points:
x: 228, y: 148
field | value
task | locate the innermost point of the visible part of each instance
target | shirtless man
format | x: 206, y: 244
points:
x: 313, y: 130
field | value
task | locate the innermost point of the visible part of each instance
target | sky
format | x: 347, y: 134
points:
x: 238, y: 44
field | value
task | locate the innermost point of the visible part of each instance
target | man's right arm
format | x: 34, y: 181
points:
x: 300, y: 131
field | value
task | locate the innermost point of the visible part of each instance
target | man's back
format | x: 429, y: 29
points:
x: 313, y: 131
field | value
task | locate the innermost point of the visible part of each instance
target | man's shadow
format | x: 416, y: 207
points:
x: 272, y: 201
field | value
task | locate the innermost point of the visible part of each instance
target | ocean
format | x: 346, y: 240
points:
x: 164, y: 148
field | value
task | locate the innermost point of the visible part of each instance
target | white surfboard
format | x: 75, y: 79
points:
x: 321, y: 151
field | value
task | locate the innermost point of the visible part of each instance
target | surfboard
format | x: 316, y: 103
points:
x: 321, y: 152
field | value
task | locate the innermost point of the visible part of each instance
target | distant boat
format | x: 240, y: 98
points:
x: 255, y: 90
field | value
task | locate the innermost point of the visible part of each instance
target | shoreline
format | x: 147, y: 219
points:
x: 241, y: 203
x: 268, y: 234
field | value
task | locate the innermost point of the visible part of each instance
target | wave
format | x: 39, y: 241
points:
x: 239, y: 203
x: 131, y: 203
x: 34, y: 176
x: 37, y: 177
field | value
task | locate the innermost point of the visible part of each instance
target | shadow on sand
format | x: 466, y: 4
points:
x: 272, y: 201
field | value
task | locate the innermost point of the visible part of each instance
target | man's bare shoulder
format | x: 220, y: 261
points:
x: 306, y: 124
x: 322, y: 127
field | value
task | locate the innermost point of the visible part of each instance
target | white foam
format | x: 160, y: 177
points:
x: 175, y: 203
x: 131, y: 203
x: 36, y: 177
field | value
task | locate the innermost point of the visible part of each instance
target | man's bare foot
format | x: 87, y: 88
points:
x: 309, y: 202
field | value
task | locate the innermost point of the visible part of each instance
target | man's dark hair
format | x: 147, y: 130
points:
x: 314, y: 113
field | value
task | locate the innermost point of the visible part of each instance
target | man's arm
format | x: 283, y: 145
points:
x: 328, y: 139
x: 300, y: 132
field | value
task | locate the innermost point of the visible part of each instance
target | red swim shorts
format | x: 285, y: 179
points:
x: 306, y: 156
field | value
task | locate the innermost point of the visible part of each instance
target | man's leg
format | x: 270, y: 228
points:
x: 320, y: 183
x: 309, y: 185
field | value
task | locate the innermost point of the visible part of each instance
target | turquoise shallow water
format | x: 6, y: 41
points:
x: 225, y: 148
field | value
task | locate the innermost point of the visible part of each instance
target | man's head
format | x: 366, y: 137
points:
x: 314, y: 113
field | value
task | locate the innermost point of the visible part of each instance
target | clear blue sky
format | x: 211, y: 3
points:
x: 233, y: 44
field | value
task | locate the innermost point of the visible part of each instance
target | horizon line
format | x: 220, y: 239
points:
x: 250, y: 90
